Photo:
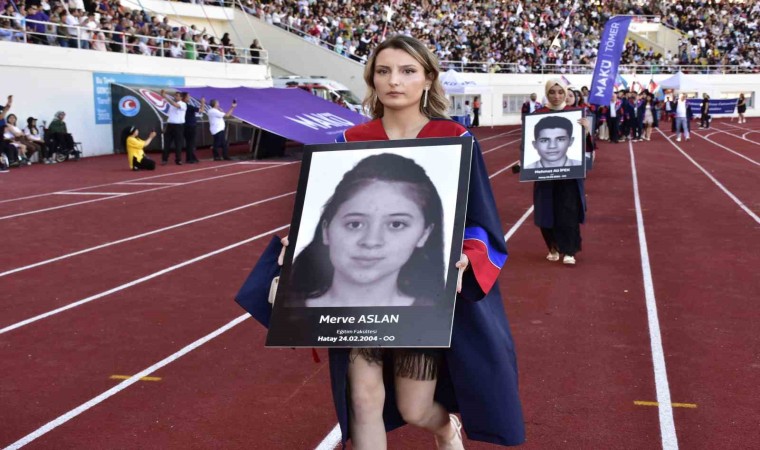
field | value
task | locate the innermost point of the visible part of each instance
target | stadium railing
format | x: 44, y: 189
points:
x: 118, y: 38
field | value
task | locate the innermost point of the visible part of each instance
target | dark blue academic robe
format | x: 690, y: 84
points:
x: 478, y: 377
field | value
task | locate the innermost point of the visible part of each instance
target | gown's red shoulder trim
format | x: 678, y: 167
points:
x: 443, y: 128
x: 369, y: 131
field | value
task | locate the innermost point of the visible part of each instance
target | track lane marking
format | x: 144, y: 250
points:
x: 118, y: 182
x: 126, y: 377
x: 60, y: 420
x: 500, y: 146
x: 674, y: 405
x: 114, y: 194
x: 201, y: 180
x: 667, y: 424
x: 137, y: 281
x: 717, y: 183
x: 707, y: 138
x: 138, y: 236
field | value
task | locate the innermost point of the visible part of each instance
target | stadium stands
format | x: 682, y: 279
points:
x: 528, y: 37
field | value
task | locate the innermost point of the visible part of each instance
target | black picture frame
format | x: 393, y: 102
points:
x: 302, y: 321
x: 533, y: 166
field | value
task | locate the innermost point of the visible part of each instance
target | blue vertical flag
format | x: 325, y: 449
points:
x: 608, y: 59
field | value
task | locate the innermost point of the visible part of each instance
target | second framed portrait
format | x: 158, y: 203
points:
x: 553, y: 147
x: 377, y: 228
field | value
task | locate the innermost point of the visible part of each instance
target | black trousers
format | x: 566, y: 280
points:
x: 173, y: 139
x: 189, y: 133
x: 145, y: 164
x: 614, y: 127
x: 220, y: 142
x: 476, y: 117
x: 704, y: 121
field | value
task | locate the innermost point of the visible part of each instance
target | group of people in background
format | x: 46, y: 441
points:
x: 181, y: 128
x: 18, y: 146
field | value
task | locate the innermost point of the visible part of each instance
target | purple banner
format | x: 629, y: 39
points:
x: 608, y: 59
x: 292, y: 113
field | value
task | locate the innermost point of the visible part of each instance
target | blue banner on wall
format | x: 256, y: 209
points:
x: 722, y: 106
x: 101, y: 83
x: 608, y: 59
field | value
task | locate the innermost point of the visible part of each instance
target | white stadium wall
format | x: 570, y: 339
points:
x: 45, y: 79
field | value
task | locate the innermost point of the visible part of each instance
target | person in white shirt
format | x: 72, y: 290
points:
x: 682, y: 117
x: 174, y: 128
x: 216, y: 118
x: 33, y: 134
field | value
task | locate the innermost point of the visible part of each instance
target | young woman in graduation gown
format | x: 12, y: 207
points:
x: 560, y: 205
x: 378, y: 390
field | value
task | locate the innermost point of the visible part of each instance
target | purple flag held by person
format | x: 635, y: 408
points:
x: 608, y: 60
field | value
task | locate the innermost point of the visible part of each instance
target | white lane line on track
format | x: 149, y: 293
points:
x: 90, y: 193
x: 60, y: 420
x: 137, y: 183
x: 667, y: 424
x: 137, y: 281
x: 502, y: 145
x: 707, y: 138
x: 499, y: 135
x: 717, y: 183
x: 142, y: 235
x: 200, y: 180
x: 333, y: 438
x: 152, y: 177
x: 737, y: 129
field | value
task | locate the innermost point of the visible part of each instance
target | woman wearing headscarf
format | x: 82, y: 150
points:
x: 58, y: 135
x: 560, y: 205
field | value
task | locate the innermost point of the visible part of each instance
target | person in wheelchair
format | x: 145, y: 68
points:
x: 60, y: 140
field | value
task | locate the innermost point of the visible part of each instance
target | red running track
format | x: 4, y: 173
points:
x: 581, y: 332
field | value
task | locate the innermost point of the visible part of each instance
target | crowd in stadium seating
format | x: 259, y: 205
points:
x: 523, y: 36
x: 106, y: 25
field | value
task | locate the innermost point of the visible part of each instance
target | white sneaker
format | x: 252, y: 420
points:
x: 553, y: 256
x: 678, y: 139
x: 568, y: 260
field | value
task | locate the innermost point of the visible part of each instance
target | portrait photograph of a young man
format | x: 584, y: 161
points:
x: 553, y: 146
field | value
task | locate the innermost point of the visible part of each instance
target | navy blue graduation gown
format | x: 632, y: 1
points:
x: 543, y: 195
x: 479, y: 377
x: 479, y: 374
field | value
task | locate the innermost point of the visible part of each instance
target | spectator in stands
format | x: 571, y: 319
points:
x: 33, y: 134
x: 17, y: 139
x: 36, y: 30
x: 216, y: 125
x: 135, y: 148
x: 174, y: 127
x: 190, y: 127
x: 255, y: 52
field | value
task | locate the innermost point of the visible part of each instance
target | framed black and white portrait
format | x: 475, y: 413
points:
x: 377, y: 228
x: 553, y: 146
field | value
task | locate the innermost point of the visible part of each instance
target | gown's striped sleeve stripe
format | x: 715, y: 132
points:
x: 485, y: 259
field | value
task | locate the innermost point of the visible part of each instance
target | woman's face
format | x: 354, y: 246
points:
x: 135, y: 132
x: 570, y: 97
x: 399, y: 79
x: 375, y: 232
x: 556, y: 95
x: 12, y: 119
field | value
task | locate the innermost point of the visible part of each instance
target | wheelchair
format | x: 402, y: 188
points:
x: 64, y: 147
